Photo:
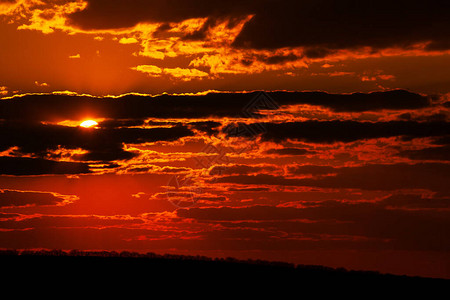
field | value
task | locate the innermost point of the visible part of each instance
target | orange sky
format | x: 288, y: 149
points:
x: 44, y: 50
x: 354, y: 176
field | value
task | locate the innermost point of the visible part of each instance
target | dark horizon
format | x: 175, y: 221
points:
x: 110, y: 258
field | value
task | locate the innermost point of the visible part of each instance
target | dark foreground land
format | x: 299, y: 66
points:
x: 152, y: 271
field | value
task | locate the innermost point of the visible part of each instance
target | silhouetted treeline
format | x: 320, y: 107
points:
x: 144, y: 255
x: 137, y: 268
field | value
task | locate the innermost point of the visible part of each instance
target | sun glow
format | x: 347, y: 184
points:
x: 88, y: 124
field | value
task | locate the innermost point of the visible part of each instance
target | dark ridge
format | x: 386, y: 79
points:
x: 134, y: 268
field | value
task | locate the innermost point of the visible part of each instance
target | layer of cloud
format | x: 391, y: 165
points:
x: 325, y: 26
x: 431, y: 176
x: 321, y: 26
x: 14, y: 198
x: 104, y: 14
x: 103, y: 144
x: 40, y: 222
x: 346, y: 131
x: 29, y: 166
x: 63, y: 107
x: 392, y: 228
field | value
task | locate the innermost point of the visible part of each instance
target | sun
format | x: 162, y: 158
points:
x: 88, y: 124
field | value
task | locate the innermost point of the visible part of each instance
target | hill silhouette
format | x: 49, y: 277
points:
x: 98, y: 268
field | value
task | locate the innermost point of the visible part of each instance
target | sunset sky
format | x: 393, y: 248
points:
x: 313, y: 132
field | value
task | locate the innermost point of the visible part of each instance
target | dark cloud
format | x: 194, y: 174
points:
x: 120, y: 123
x: 8, y: 215
x: 289, y: 151
x: 398, y: 228
x: 262, y: 189
x: 154, y: 169
x: 317, y: 52
x: 106, y: 14
x: 319, y: 26
x: 103, y: 144
x: 356, y: 102
x: 209, y: 127
x: 347, y: 24
x: 29, y: 166
x: 349, y: 131
x: 203, y: 31
x: 22, y: 198
x: 437, y: 117
x: 278, y: 59
x: 61, y: 107
x: 443, y: 141
x: 439, y: 151
x: 67, y: 222
x: 310, y: 169
x: 247, y: 213
x: 430, y: 176
x: 74, y: 237
x: 432, y: 153
x: 415, y: 202
x: 241, y: 169
x: 132, y: 109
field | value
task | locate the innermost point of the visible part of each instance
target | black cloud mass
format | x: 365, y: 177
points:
x: 319, y: 26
